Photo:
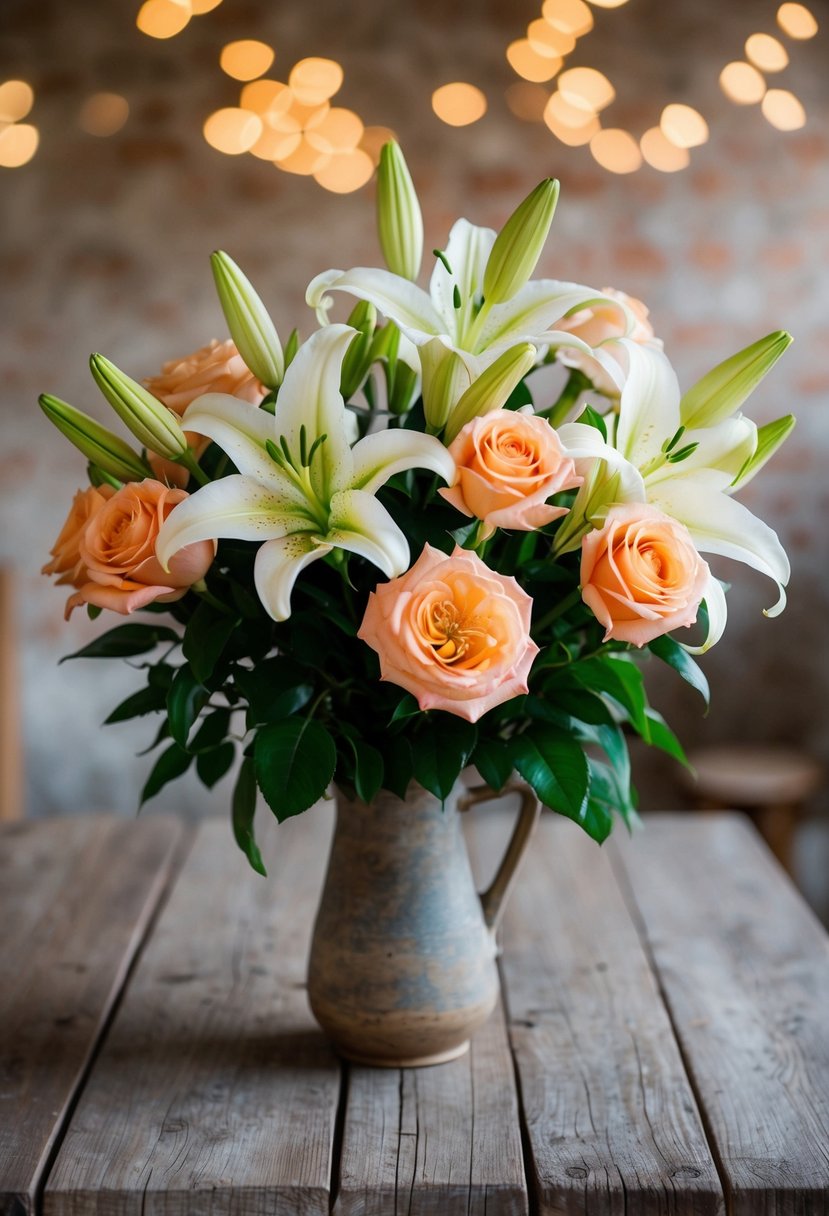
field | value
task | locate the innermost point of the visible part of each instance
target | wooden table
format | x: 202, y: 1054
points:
x: 664, y: 1045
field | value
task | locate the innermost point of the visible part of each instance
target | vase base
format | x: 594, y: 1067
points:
x: 438, y: 1057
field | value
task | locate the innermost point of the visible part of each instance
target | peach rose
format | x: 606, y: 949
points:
x: 118, y: 551
x: 66, y: 556
x: 599, y: 325
x: 453, y: 633
x: 641, y: 575
x: 215, y: 368
x: 509, y: 464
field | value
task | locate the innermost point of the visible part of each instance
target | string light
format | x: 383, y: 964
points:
x: 616, y: 150
x: 18, y: 144
x: 346, y: 171
x: 797, y: 21
x: 683, y: 126
x: 103, y: 114
x: 339, y: 130
x: 783, y: 110
x: 571, y: 16
x: 742, y: 83
x: 573, y: 137
x: 247, y: 59
x: 232, y: 130
x: 526, y: 100
x: 16, y: 100
x: 458, y: 104
x: 373, y: 139
x: 565, y: 114
x: 548, y: 40
x: 305, y: 160
x: 660, y: 153
x: 766, y: 53
x: 527, y: 63
x: 315, y: 80
x: 163, y: 18
x: 586, y: 88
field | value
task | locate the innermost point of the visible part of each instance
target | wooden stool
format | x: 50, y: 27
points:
x: 769, y: 783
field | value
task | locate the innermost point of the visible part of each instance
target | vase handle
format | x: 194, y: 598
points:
x: 493, y: 899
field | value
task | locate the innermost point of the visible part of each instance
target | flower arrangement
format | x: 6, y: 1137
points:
x: 380, y: 554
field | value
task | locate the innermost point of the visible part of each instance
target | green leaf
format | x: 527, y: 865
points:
x: 493, y: 761
x: 407, y: 708
x: 670, y: 652
x: 398, y: 765
x: 295, y: 761
x: 368, y: 768
x: 243, y: 810
x: 205, y: 637
x: 590, y: 417
x: 124, y: 641
x: 169, y: 765
x: 441, y: 750
x: 274, y: 689
x: 555, y: 766
x: 619, y: 679
x: 661, y: 736
x: 212, y: 731
x: 609, y: 796
x: 520, y: 396
x: 211, y: 766
x: 162, y: 733
x: 184, y: 703
x: 146, y: 701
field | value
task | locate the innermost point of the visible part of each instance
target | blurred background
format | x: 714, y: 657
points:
x: 693, y: 156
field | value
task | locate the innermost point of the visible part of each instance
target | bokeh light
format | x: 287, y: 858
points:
x: 616, y: 150
x: 608, y: 3
x: 265, y: 96
x: 276, y: 145
x: 458, y: 104
x: 163, y: 18
x: 346, y: 171
x: 586, y: 88
x: 103, y: 114
x: 572, y: 16
x: 783, y: 110
x: 203, y: 6
x: 660, y: 153
x: 527, y: 63
x: 766, y: 53
x: 683, y: 126
x: 16, y: 100
x: 18, y: 144
x: 549, y: 41
x: 573, y: 137
x: 338, y: 130
x: 564, y: 114
x: 797, y: 21
x: 742, y: 83
x: 247, y: 59
x: 232, y: 130
x: 373, y: 139
x: 304, y: 159
x: 526, y: 100
x: 315, y: 80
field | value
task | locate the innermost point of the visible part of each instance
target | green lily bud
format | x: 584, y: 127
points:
x: 399, y: 222
x: 445, y: 377
x: 769, y: 439
x: 722, y: 391
x: 492, y: 388
x: 101, y: 447
x: 152, y: 424
x: 291, y: 347
x: 402, y: 388
x: 519, y: 244
x: 250, y: 326
x: 358, y: 358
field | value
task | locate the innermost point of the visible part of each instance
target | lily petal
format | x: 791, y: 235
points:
x: 717, y: 616
x: 240, y: 429
x: 378, y: 457
x: 361, y: 524
x: 235, y: 508
x: 467, y: 252
x: 276, y: 568
x: 536, y: 309
x: 719, y: 524
x: 649, y: 405
x: 398, y: 299
x: 586, y: 445
x: 725, y: 447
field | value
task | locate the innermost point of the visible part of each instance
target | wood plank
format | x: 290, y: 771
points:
x: 611, y: 1121
x: 11, y: 743
x: 441, y: 1141
x: 215, y: 1090
x: 744, y: 967
x: 76, y: 896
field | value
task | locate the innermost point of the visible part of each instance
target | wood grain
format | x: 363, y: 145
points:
x: 441, y: 1141
x: 76, y: 896
x: 11, y: 749
x: 744, y: 967
x: 611, y: 1121
x: 215, y: 1090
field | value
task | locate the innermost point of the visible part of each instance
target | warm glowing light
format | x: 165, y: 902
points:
x: 459, y: 104
x: 18, y: 144
x: 298, y: 113
x: 572, y: 16
x: 232, y: 130
x: 683, y: 126
x: 527, y: 101
x: 783, y: 110
x: 315, y: 80
x: 742, y: 83
x: 265, y: 96
x: 276, y: 145
x: 16, y: 99
x: 563, y: 114
x: 246, y: 60
x: 661, y: 153
x: 304, y: 160
x: 797, y: 21
x: 616, y: 150
x: 586, y: 88
x: 766, y: 53
x: 163, y: 18
x: 373, y: 139
x: 203, y: 6
x: 548, y: 40
x: 574, y: 137
x: 103, y: 113
x: 346, y: 171
x: 527, y: 62
x: 339, y: 130
x: 608, y: 3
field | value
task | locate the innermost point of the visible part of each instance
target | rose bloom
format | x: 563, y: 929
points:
x: 641, y: 575
x: 453, y: 633
x: 117, y: 550
x: 66, y: 555
x: 509, y: 464
x: 215, y: 368
x: 596, y: 326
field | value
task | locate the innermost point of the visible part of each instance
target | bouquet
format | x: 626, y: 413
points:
x: 380, y: 553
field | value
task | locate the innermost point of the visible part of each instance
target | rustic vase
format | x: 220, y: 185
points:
x: 402, y: 969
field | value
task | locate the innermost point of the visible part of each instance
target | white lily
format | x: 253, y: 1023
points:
x: 300, y: 487
x: 689, y: 474
x: 454, y: 319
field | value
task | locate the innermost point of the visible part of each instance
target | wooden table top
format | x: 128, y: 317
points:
x: 663, y: 1044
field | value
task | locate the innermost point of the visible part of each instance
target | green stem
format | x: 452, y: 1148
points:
x: 188, y: 460
x: 200, y: 588
x: 577, y: 382
x: 561, y: 607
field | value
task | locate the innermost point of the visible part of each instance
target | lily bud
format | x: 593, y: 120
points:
x: 519, y: 244
x: 250, y: 326
x: 399, y: 222
x: 492, y: 388
x: 358, y: 358
x: 152, y: 424
x: 101, y: 447
x: 721, y: 392
x: 445, y: 377
x: 769, y: 439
